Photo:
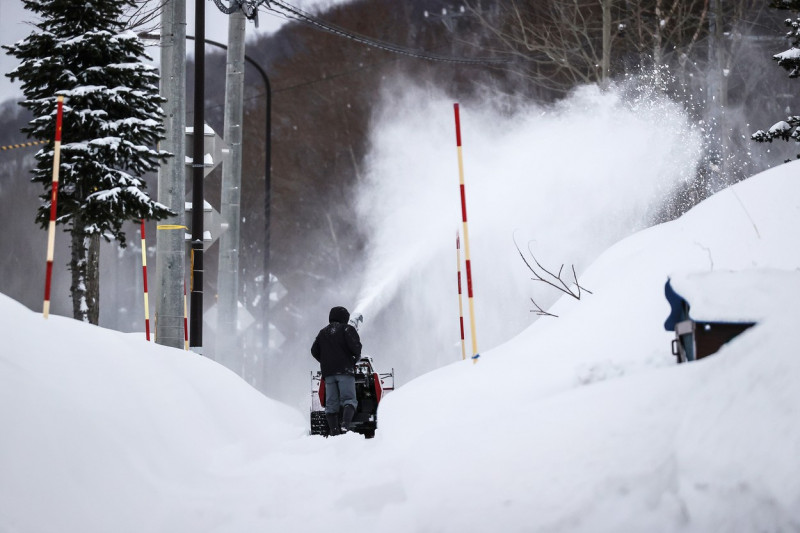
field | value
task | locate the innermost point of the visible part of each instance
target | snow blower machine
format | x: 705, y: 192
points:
x: 371, y: 387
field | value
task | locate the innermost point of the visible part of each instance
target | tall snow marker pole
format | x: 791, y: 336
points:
x: 460, y: 304
x: 51, y: 230
x: 185, y: 321
x: 144, y: 278
x: 475, y: 354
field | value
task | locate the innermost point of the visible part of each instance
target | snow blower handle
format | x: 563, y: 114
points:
x: 356, y: 319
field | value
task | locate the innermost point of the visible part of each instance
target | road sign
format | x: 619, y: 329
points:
x: 213, y: 225
x: 276, y: 338
x: 214, y: 149
x: 276, y: 291
x: 243, y: 317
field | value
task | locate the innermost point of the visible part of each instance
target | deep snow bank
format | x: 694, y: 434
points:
x: 581, y: 423
x: 102, y: 431
x: 701, y: 447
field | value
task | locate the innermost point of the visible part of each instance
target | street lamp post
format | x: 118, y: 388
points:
x: 267, y: 183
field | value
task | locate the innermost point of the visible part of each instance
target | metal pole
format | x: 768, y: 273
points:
x: 228, y: 274
x: 170, y: 238
x: 267, y: 213
x: 721, y: 96
x: 185, y: 321
x: 605, y: 67
x: 267, y: 191
x: 715, y: 154
x: 198, y: 201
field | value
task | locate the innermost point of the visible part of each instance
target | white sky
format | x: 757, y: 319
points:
x: 14, y: 26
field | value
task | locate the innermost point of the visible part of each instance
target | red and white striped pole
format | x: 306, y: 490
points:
x: 460, y: 304
x: 185, y: 320
x: 51, y: 231
x: 144, y: 277
x: 475, y: 353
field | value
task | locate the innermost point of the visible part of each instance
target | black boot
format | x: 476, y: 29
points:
x: 347, y: 417
x: 333, y: 424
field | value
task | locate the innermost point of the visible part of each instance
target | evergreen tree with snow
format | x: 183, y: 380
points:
x: 111, y: 126
x: 790, y: 60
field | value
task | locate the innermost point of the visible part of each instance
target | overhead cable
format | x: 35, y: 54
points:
x: 303, y: 16
x: 248, y: 7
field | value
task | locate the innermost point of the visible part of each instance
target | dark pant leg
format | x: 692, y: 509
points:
x: 332, y: 402
x: 347, y: 390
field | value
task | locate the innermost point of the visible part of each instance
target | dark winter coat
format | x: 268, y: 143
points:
x: 337, y: 346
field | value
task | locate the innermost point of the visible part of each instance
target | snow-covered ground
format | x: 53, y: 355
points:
x: 580, y: 423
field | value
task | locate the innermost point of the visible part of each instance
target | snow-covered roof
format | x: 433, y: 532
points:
x: 791, y: 53
x: 737, y: 296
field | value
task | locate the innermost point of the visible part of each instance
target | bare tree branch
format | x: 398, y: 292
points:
x: 541, y: 312
x: 557, y: 43
x: 547, y: 277
x: 144, y: 18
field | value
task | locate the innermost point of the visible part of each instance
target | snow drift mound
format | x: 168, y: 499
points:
x: 102, y: 429
x: 700, y: 447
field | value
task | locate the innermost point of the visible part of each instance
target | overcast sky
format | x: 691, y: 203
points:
x: 14, y: 25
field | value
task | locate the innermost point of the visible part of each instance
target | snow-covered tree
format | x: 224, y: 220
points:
x: 790, y: 60
x: 111, y: 126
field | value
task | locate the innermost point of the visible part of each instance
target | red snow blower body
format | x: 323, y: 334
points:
x: 371, y: 387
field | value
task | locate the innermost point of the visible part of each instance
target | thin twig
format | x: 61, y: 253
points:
x: 539, y: 311
x: 556, y: 281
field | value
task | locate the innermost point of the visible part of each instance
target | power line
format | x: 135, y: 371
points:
x: 303, y: 16
x: 21, y: 145
x: 308, y: 83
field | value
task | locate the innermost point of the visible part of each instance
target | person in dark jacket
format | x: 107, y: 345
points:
x: 338, y: 349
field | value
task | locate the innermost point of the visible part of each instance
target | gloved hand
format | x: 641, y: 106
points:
x: 356, y: 319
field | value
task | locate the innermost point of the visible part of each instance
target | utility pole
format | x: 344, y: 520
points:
x: 228, y: 349
x: 605, y: 67
x: 170, y: 240
x: 722, y: 98
x: 198, y: 165
x: 717, y: 97
x: 256, y: 374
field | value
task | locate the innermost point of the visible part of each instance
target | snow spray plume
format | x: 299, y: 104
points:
x: 375, y: 295
x: 571, y: 179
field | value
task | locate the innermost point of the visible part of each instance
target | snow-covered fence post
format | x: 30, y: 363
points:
x: 51, y: 231
x: 144, y: 278
x: 475, y: 354
x: 460, y: 300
